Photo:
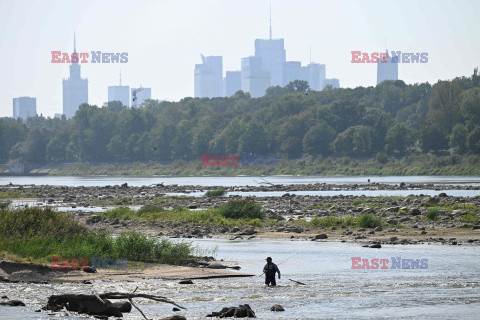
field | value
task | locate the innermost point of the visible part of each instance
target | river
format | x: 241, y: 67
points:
x: 448, y: 289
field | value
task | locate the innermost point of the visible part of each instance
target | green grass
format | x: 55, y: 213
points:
x: 432, y: 214
x: 471, y: 217
x: 4, y: 204
x: 14, y: 194
x: 40, y: 234
x: 368, y: 220
x: 242, y: 209
x: 215, y: 193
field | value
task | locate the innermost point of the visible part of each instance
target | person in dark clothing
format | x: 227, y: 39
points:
x: 270, y: 269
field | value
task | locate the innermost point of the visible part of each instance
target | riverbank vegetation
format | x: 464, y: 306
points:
x: 38, y: 234
x: 392, y: 128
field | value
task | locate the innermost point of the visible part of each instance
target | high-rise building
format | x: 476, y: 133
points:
x: 335, y: 83
x: 387, y: 70
x: 273, y: 56
x: 314, y: 74
x: 75, y: 89
x: 139, y: 95
x: 208, y: 77
x: 24, y: 107
x: 255, y: 79
x: 119, y: 93
x: 233, y: 82
x: 292, y: 70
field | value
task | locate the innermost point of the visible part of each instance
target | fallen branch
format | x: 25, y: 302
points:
x: 99, y: 304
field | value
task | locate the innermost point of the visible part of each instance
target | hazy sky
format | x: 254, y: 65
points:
x: 164, y: 40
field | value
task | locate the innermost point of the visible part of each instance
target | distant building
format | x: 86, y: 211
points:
x: 387, y: 70
x: 141, y: 95
x: 119, y: 93
x: 255, y: 79
x: 58, y: 115
x: 233, y: 82
x: 208, y: 77
x: 292, y: 70
x: 314, y: 74
x: 75, y: 89
x: 24, y: 107
x: 273, y: 55
x: 335, y: 83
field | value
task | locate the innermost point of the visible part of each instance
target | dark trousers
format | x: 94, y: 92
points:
x: 270, y: 279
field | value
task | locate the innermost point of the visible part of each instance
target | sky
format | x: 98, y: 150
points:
x: 164, y: 40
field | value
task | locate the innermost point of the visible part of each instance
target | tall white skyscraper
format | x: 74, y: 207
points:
x: 233, y: 82
x: 24, y: 107
x: 119, y: 93
x: 255, y: 79
x: 75, y: 89
x: 314, y: 74
x: 387, y: 70
x: 139, y: 95
x: 208, y: 77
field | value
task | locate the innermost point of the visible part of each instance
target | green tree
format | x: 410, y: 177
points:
x: 398, y: 138
x: 318, y: 140
x: 458, y: 138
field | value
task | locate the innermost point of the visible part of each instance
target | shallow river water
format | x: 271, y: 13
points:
x: 448, y: 289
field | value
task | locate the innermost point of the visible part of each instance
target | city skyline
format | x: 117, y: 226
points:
x: 164, y: 40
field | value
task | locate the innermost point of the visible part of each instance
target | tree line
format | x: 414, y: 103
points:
x: 392, y: 118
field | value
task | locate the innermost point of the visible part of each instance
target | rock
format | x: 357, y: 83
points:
x: 235, y: 229
x: 476, y: 227
x: 175, y: 317
x: 321, y: 236
x: 12, y: 303
x: 248, y: 232
x: 277, y: 307
x: 376, y: 246
x: 243, y: 311
x: 90, y: 270
x: 378, y: 229
x: 415, y: 212
x: 175, y: 309
x: 4, y: 297
x: 186, y: 281
x: 392, y: 239
x: 93, y: 219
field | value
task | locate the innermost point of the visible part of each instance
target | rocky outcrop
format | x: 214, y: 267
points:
x: 243, y: 311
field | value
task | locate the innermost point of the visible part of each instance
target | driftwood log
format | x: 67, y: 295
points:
x: 100, y: 304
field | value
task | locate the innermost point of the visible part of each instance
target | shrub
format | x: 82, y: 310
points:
x: 4, y: 204
x: 381, y: 157
x: 432, y: 214
x: 368, y: 220
x: 471, y: 217
x: 215, y: 193
x: 242, y: 209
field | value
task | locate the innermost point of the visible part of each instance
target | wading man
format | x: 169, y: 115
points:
x: 270, y: 269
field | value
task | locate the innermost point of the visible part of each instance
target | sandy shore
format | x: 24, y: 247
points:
x: 25, y: 272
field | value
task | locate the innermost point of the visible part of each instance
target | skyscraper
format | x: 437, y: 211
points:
x: 255, y: 79
x: 140, y: 95
x: 208, y: 77
x: 75, y: 89
x: 334, y: 82
x: 387, y: 70
x: 24, y: 107
x: 273, y: 55
x: 292, y: 70
x: 233, y: 82
x: 314, y: 74
x: 119, y: 93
